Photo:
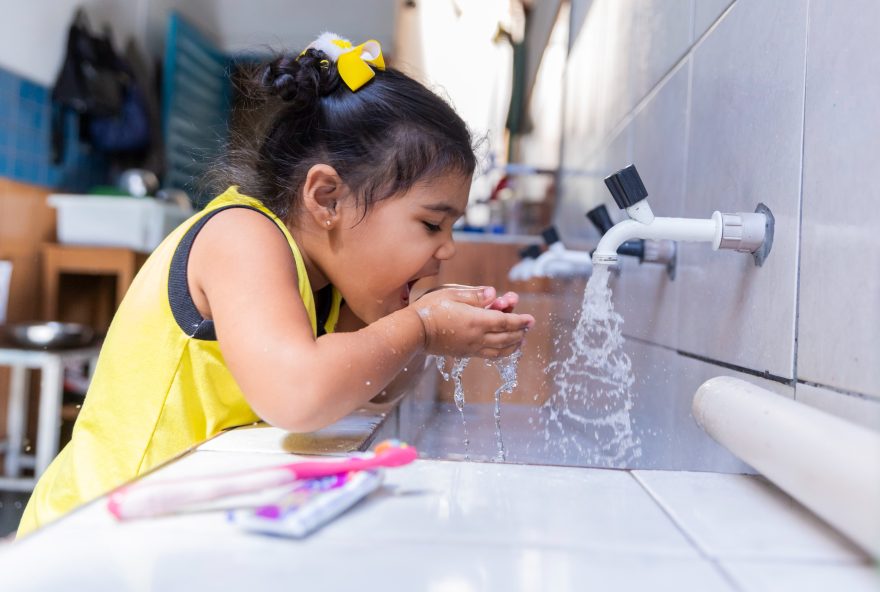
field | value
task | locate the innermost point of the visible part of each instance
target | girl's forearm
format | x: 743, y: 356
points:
x: 358, y: 366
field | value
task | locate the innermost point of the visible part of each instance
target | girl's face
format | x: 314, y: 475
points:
x: 375, y: 261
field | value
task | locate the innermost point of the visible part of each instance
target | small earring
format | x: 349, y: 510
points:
x: 327, y: 222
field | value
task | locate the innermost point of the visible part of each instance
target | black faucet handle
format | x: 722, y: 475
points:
x: 530, y: 252
x: 600, y: 218
x: 550, y: 235
x: 626, y: 187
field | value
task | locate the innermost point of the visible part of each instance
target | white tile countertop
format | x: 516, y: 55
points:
x: 459, y: 526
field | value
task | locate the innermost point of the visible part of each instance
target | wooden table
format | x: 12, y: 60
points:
x: 121, y: 263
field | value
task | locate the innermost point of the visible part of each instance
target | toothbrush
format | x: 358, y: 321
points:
x: 143, y: 500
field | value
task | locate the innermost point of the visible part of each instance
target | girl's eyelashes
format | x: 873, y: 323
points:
x: 432, y: 227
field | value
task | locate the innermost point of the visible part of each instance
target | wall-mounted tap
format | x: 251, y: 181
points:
x: 750, y: 232
x: 601, y: 219
x: 555, y: 262
x: 645, y: 250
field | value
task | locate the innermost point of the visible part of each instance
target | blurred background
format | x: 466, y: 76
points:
x: 722, y: 104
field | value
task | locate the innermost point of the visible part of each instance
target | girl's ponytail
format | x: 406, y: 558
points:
x: 301, y: 81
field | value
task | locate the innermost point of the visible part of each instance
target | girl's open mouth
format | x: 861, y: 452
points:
x: 405, y: 292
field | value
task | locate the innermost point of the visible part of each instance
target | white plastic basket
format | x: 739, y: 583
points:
x: 137, y: 223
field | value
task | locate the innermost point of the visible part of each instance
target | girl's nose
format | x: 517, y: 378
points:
x: 446, y: 250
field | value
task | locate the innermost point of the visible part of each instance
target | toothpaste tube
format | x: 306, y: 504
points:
x: 309, y: 505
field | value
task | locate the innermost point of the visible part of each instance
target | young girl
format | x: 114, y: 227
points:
x: 287, y: 298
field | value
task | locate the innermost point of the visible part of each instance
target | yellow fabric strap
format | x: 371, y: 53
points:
x: 356, y: 65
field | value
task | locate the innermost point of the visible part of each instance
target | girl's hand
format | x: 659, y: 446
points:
x: 471, y: 321
x: 505, y: 303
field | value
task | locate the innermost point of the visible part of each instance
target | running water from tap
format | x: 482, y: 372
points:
x: 593, y: 383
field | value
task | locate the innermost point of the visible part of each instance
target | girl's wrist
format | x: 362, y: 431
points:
x: 419, y: 323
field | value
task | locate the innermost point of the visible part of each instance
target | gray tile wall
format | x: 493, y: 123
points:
x: 721, y: 105
x: 839, y: 329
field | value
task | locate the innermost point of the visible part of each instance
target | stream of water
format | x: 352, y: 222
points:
x: 586, y: 420
x: 588, y: 414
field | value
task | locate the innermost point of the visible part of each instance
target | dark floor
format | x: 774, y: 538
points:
x: 12, y: 502
x: 11, y: 508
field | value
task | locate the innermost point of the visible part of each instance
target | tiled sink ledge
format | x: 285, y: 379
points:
x: 444, y: 525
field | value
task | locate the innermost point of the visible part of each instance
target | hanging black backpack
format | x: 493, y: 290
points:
x: 95, y: 83
x: 89, y: 82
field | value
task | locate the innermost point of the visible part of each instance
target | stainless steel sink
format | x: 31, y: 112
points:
x: 667, y: 442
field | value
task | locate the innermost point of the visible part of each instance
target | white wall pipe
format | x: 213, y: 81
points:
x: 829, y: 465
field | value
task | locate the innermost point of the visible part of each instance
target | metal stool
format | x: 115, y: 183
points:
x: 51, y: 366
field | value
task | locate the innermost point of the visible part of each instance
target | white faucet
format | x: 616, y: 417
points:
x: 744, y: 232
x: 555, y: 262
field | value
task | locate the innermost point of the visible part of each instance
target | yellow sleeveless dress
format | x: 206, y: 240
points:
x: 160, y: 385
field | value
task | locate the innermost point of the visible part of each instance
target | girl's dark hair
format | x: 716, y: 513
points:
x: 381, y: 140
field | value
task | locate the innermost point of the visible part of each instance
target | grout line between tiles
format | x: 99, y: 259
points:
x: 758, y: 373
x: 800, y: 220
x: 840, y: 391
x: 716, y: 563
x: 765, y: 374
x: 627, y: 118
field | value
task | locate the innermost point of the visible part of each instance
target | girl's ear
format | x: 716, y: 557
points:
x: 322, y: 191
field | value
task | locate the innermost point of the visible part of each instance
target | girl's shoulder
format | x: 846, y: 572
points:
x: 242, y: 233
x: 233, y: 197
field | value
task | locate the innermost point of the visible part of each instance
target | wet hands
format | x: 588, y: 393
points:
x: 466, y: 321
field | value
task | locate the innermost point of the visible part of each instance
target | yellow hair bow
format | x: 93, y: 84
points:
x: 354, y: 64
